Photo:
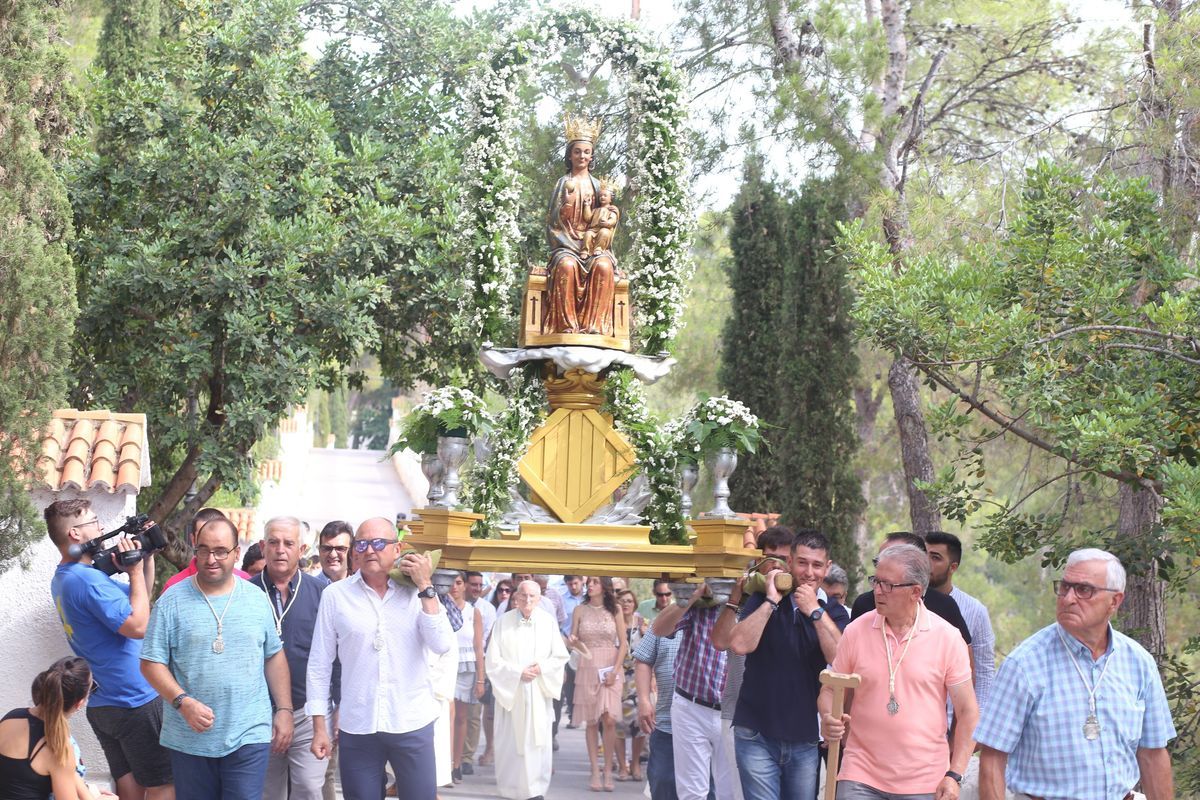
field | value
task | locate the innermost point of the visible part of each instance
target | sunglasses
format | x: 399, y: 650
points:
x: 504, y: 590
x: 361, y: 545
x: 662, y: 594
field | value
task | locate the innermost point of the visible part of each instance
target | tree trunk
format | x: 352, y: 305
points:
x: 178, y: 551
x: 914, y: 445
x: 1143, y: 614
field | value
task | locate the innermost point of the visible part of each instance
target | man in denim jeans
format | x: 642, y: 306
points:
x: 787, y: 641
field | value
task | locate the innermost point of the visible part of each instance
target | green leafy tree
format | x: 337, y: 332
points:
x: 1077, y: 334
x: 38, y: 111
x: 220, y: 291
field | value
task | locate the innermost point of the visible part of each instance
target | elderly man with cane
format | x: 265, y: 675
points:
x: 909, y: 661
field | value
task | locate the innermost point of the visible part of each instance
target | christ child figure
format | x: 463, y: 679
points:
x: 602, y: 222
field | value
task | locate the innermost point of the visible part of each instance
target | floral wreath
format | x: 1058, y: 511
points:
x: 659, y: 263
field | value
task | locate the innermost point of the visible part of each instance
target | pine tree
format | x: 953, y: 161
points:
x: 37, y: 307
x: 815, y: 447
x: 752, y: 337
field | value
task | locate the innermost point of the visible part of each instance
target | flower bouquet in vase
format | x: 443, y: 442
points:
x: 715, y: 430
x: 440, y: 429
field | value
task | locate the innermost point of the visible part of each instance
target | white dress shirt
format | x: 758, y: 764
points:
x: 386, y: 690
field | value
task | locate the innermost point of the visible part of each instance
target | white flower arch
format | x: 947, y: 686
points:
x: 659, y: 263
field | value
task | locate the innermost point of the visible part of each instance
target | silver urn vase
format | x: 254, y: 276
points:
x: 689, y: 474
x: 721, y: 465
x: 443, y: 579
x: 432, y: 469
x: 452, y: 451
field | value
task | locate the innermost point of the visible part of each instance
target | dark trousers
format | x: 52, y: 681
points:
x: 568, y: 692
x: 660, y: 768
x: 237, y: 776
x: 362, y: 758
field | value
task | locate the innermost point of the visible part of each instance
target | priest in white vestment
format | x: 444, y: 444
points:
x: 525, y: 662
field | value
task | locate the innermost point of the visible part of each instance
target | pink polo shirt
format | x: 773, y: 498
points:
x: 190, y: 570
x: 907, y: 753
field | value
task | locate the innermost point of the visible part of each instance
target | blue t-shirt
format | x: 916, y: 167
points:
x: 232, y: 683
x: 92, y: 607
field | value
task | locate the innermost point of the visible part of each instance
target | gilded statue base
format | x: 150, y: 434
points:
x: 533, y: 313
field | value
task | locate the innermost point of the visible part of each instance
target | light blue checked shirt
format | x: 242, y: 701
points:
x: 1038, y: 706
x: 983, y: 642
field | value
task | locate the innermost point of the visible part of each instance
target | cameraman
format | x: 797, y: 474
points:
x: 105, y: 621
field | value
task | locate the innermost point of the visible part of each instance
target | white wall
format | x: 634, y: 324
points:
x: 34, y: 634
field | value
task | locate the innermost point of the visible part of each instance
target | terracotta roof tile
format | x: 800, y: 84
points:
x: 94, y: 450
x: 243, y: 520
x: 270, y: 470
x: 758, y: 524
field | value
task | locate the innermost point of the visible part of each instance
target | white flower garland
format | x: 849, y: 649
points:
x: 659, y: 264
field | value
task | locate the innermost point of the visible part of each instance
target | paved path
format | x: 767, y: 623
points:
x: 340, y: 484
x: 570, y: 781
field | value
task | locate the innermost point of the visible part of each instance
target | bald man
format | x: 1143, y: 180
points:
x: 525, y: 662
x: 380, y: 630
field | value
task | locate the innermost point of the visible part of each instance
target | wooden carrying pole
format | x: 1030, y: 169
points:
x: 840, y: 683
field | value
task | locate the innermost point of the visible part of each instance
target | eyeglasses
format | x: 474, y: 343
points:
x: 885, y: 586
x: 360, y: 545
x: 219, y: 553
x: 93, y: 521
x: 663, y: 594
x: 1084, y: 591
x: 326, y: 549
x: 94, y: 688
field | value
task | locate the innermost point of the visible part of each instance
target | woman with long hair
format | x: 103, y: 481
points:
x: 597, y: 631
x: 37, y: 756
x: 469, y: 689
x: 628, y: 727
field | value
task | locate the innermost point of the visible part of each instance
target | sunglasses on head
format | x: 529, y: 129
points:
x: 361, y: 545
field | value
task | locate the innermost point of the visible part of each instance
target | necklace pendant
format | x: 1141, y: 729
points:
x: 893, y: 707
x: 378, y: 640
x: 1091, y: 728
x: 218, y: 645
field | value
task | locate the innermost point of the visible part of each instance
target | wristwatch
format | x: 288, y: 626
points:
x: 952, y: 774
x: 428, y: 592
x: 178, y: 701
x: 817, y: 613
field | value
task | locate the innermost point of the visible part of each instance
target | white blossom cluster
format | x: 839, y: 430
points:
x: 453, y: 407
x: 724, y: 412
x: 660, y: 265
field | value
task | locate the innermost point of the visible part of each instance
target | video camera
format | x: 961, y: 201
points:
x: 110, y: 559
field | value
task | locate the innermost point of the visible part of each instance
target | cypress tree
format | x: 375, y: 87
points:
x: 751, y: 349
x: 37, y: 307
x: 130, y: 30
x: 814, y: 375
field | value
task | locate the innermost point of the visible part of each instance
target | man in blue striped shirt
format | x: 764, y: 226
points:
x: 1078, y: 710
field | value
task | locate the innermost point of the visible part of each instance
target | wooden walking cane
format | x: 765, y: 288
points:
x: 840, y: 684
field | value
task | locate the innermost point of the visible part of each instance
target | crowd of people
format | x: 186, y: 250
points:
x: 269, y: 680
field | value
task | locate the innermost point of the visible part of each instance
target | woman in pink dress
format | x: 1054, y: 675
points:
x: 599, y: 627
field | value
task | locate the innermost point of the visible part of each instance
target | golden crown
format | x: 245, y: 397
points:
x: 612, y: 185
x: 581, y: 129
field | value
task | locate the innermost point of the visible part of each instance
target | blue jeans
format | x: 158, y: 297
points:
x: 362, y: 756
x: 660, y: 768
x: 237, y: 776
x: 775, y: 770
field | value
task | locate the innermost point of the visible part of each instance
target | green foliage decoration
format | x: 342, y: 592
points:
x: 492, y: 479
x: 658, y: 447
x: 38, y: 112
